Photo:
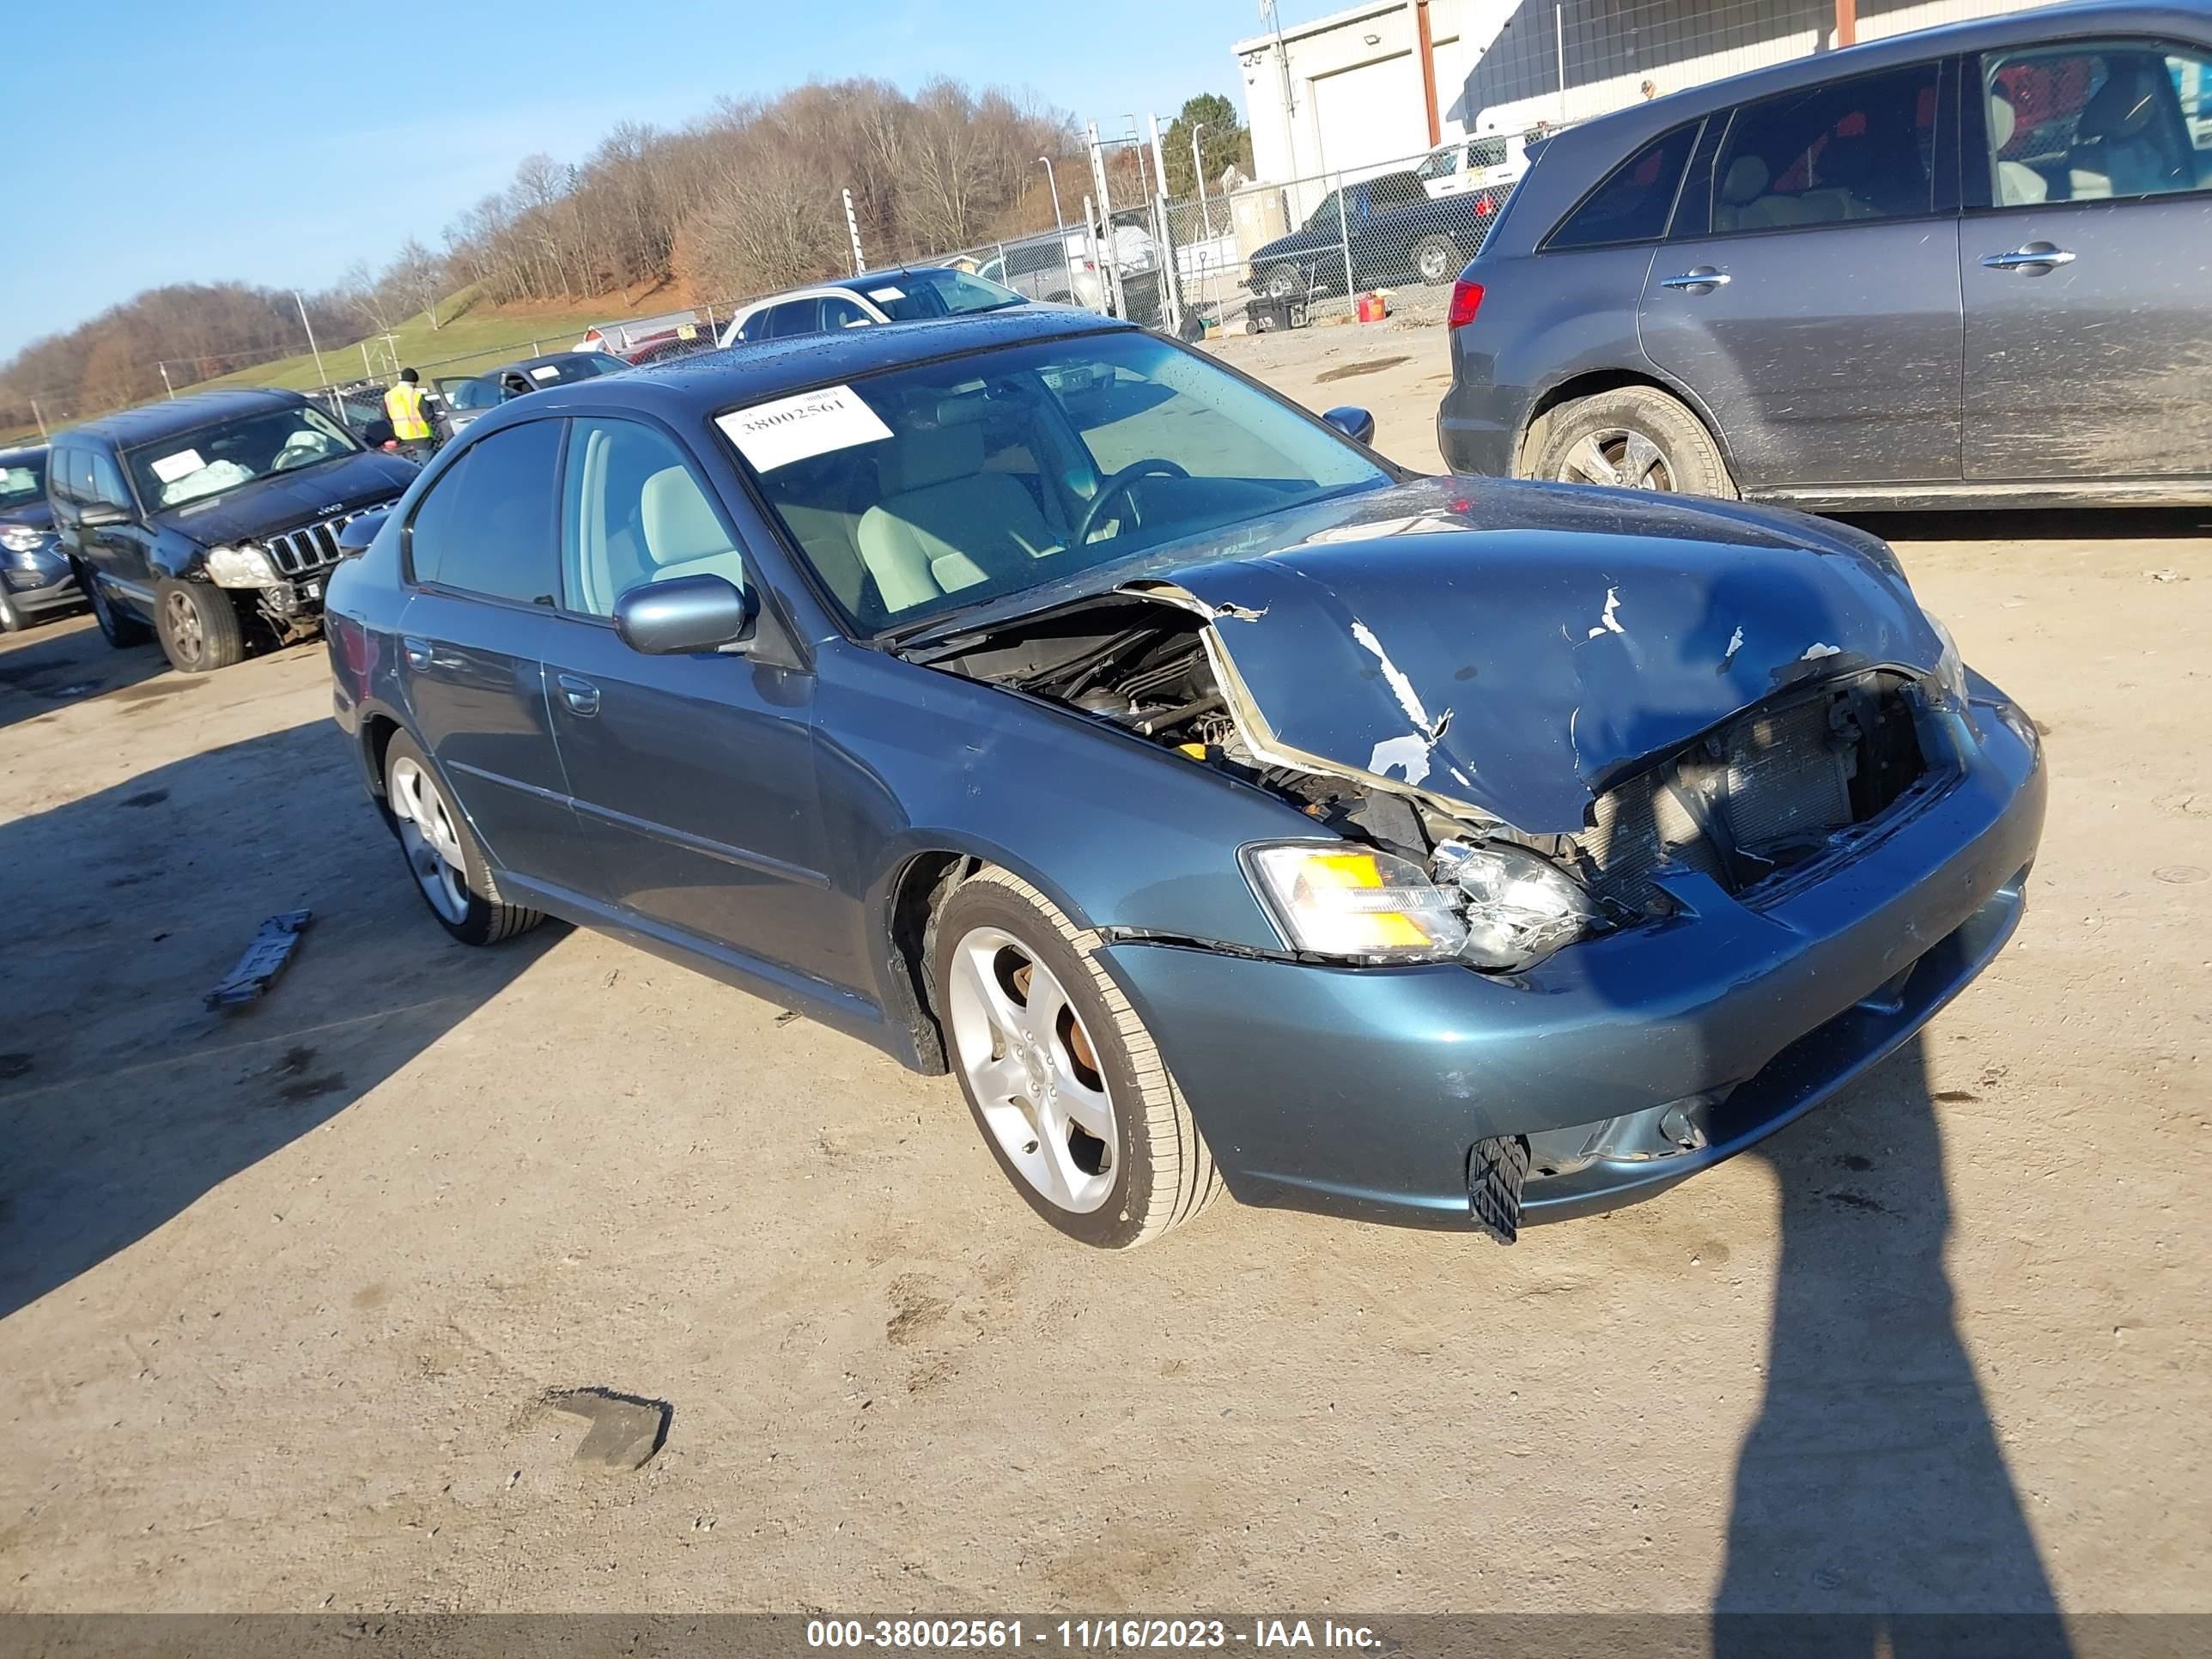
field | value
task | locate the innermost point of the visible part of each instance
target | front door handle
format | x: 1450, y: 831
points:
x: 418, y: 651
x: 581, y: 695
x: 2034, y: 258
x: 1704, y: 280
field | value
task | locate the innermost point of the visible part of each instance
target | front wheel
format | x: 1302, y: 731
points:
x: 1634, y: 437
x: 1071, y: 1095
x: 1436, y: 260
x: 442, y: 853
x: 198, y: 626
x: 11, y: 620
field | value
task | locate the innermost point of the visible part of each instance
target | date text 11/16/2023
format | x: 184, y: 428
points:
x: 1086, y: 1633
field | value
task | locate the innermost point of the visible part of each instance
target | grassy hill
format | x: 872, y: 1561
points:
x: 472, y: 339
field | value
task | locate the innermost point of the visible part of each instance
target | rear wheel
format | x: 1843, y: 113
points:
x: 198, y: 626
x: 1436, y: 260
x: 118, y: 628
x: 442, y: 853
x: 1071, y: 1095
x: 1634, y: 437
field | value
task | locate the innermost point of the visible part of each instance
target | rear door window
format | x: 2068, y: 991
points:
x: 1637, y: 199
x: 487, y: 526
x: 1858, y: 149
x: 2091, y: 121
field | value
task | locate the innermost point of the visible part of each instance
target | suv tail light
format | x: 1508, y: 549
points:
x: 1466, y: 301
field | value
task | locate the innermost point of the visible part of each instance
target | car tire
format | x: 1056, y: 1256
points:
x: 198, y: 626
x: 1436, y: 260
x: 443, y: 854
x: 1282, y: 283
x: 1634, y: 437
x: 12, y: 621
x: 118, y: 627
x: 1115, y: 1158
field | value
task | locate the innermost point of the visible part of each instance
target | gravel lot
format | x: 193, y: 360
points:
x: 282, y: 1293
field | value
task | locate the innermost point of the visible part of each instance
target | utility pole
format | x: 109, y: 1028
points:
x: 37, y: 416
x: 853, y: 229
x: 1060, y: 224
x: 300, y: 300
x: 1198, y: 168
x: 166, y: 386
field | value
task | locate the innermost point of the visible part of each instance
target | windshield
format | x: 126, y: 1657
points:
x: 909, y: 296
x: 479, y: 392
x: 23, y: 481
x: 195, y: 466
x: 924, y: 490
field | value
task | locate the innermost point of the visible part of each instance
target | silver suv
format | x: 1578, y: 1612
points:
x: 1965, y: 266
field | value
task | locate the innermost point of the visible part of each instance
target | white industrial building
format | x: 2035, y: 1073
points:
x: 1346, y: 91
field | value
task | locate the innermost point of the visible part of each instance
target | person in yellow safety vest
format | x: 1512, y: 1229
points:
x: 407, y: 406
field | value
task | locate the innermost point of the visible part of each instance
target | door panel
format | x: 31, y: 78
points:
x: 695, y: 778
x: 1830, y: 356
x: 476, y: 693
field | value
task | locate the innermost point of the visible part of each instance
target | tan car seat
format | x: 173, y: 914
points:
x: 2018, y: 184
x: 944, y: 522
x: 683, y: 536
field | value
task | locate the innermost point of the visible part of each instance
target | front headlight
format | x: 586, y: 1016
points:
x: 1950, y: 666
x: 241, y: 566
x: 1337, y: 899
x: 22, y: 538
x: 1519, y: 908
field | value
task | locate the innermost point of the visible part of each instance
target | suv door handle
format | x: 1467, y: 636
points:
x: 419, y: 655
x: 579, y: 694
x: 1703, y: 279
x: 2035, y: 258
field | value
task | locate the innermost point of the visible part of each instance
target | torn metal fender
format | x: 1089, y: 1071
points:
x: 1520, y: 671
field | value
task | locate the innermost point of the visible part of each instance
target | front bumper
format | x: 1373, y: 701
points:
x: 34, y: 588
x: 1358, y: 1092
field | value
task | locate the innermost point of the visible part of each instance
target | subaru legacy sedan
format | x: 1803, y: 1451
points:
x: 1038, y: 700
x: 1962, y: 267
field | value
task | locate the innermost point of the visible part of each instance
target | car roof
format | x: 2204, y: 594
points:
x: 1576, y: 157
x: 555, y: 358
x: 154, y: 422
x: 22, y: 452
x: 733, y: 376
x: 855, y: 284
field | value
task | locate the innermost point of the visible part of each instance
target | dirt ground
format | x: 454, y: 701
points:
x: 281, y: 1291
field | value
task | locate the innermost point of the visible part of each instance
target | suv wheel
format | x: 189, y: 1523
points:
x: 1635, y: 437
x: 118, y: 627
x: 11, y: 620
x: 1436, y: 260
x: 1072, y: 1099
x: 442, y: 853
x: 198, y: 626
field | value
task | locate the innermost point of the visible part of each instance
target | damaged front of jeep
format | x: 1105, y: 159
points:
x: 1630, y: 832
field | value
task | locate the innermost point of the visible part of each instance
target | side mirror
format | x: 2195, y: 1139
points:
x: 99, y: 515
x: 688, y: 614
x: 355, y: 539
x: 1355, y: 424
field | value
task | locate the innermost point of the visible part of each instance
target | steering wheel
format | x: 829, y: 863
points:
x: 1119, y: 485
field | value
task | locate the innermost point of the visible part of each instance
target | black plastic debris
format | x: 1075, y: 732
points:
x: 264, y: 960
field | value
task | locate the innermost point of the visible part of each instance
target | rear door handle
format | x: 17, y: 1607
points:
x: 419, y: 655
x: 2034, y: 256
x: 1703, y: 279
x: 579, y: 694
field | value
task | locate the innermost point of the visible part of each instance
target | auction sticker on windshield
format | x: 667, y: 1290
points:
x: 170, y: 468
x: 774, y: 435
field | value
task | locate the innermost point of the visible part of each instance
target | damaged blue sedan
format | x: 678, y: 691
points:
x: 1045, y: 702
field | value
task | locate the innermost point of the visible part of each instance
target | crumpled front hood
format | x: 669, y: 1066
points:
x: 1521, y: 671
x: 268, y: 506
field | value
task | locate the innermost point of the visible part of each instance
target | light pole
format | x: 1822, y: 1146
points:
x: 1198, y: 170
x: 302, y: 302
x: 1060, y: 224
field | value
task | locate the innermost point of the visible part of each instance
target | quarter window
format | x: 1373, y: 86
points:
x: 636, y: 513
x: 2091, y: 121
x: 1856, y: 149
x: 487, y: 525
x: 1634, y: 204
x: 840, y: 312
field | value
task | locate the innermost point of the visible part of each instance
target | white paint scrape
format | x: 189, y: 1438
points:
x: 1409, y: 753
x: 1609, y: 622
x: 1814, y: 651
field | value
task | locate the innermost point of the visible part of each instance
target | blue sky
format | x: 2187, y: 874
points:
x: 277, y: 143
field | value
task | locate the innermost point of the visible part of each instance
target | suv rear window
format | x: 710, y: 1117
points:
x: 1636, y: 201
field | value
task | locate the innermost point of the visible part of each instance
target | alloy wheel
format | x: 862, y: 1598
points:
x: 429, y: 841
x: 186, y: 637
x: 1619, y: 457
x: 1033, y: 1070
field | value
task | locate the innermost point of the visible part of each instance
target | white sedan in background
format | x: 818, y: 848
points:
x: 905, y: 294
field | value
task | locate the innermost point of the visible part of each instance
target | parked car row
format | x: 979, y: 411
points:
x: 35, y: 577
x: 1963, y: 267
